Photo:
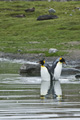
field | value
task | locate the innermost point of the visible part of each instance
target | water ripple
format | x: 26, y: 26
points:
x: 20, y: 99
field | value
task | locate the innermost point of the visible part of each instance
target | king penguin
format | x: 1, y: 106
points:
x: 56, y: 70
x: 50, y: 78
x: 45, y: 71
x: 46, y: 78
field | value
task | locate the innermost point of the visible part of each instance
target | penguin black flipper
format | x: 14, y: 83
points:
x: 48, y: 68
x: 53, y: 66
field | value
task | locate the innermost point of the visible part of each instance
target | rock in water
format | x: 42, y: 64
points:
x: 77, y: 76
x: 30, y: 70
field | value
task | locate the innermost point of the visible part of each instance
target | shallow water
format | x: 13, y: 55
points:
x: 20, y: 99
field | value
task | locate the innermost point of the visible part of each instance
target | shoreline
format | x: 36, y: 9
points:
x: 73, y: 55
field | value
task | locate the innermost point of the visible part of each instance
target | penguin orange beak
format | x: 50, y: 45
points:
x: 39, y: 62
x: 64, y: 63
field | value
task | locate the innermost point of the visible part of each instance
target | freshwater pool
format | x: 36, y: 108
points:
x: 20, y: 99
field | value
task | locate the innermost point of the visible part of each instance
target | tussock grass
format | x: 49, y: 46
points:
x: 27, y: 34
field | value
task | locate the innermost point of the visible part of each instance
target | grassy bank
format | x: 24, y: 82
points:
x: 7, y: 68
x: 27, y: 35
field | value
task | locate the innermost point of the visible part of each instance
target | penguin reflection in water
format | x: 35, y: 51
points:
x: 50, y: 78
x: 46, y: 77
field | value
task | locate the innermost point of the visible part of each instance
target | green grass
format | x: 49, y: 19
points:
x: 7, y: 67
x: 32, y: 36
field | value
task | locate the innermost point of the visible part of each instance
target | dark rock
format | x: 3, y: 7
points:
x: 22, y: 15
x: 77, y: 76
x: 77, y: 8
x: 34, y: 70
x: 30, y: 70
x: 30, y: 10
x: 47, y: 17
x: 18, y: 15
x: 70, y: 71
x: 77, y: 67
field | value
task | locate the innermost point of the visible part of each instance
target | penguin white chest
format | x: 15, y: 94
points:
x: 45, y: 76
x: 57, y: 71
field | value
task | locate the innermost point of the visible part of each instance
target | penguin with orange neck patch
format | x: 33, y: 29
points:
x: 46, y: 80
x: 45, y: 71
x: 56, y: 70
x: 50, y: 78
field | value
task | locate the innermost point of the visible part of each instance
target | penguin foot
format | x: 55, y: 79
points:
x: 42, y: 97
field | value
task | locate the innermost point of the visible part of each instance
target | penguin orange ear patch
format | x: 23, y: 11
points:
x: 60, y: 59
x: 44, y: 61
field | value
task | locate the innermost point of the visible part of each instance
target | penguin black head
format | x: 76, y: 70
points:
x: 62, y: 60
x: 42, y: 62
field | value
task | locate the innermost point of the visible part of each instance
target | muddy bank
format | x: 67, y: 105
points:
x: 72, y: 59
x: 73, y: 55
